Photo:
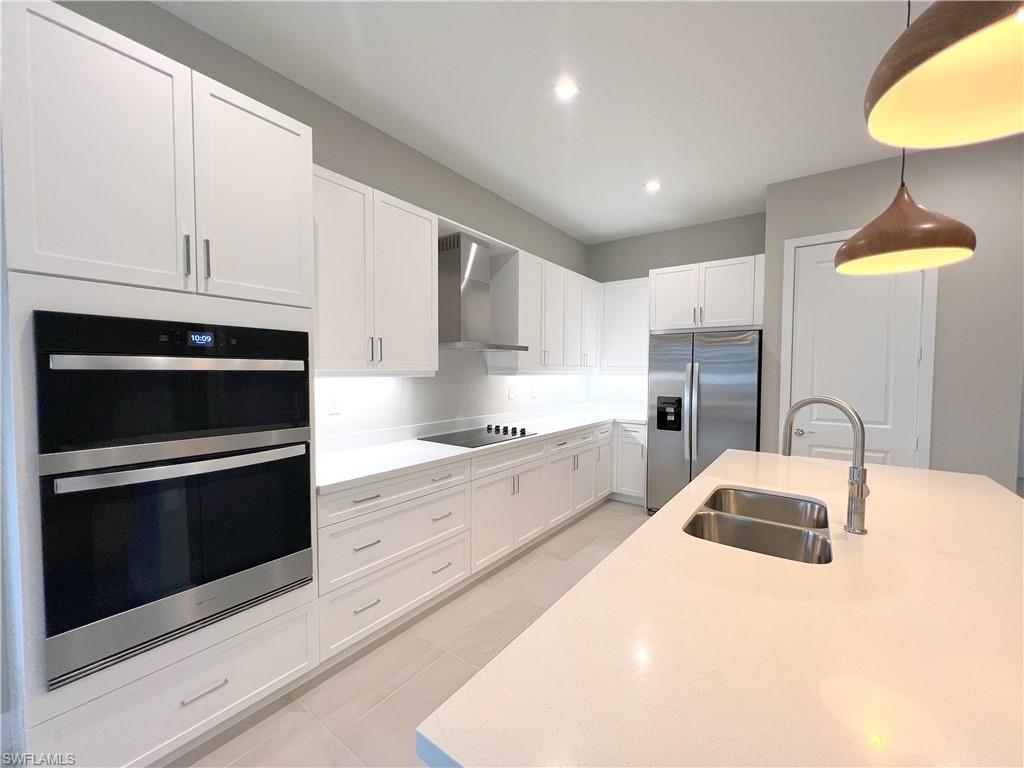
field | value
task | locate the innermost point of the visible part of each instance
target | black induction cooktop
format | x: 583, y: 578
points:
x: 481, y: 436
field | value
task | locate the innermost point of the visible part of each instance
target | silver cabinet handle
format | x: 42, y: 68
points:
x: 207, y: 692
x: 168, y: 363
x: 171, y: 471
x: 366, y: 499
x: 206, y: 250
x: 366, y: 546
x: 702, y: 314
x: 559, y: 445
x: 380, y: 349
x: 442, y: 517
x: 188, y: 255
x: 694, y: 315
x: 440, y: 478
x: 442, y: 568
x: 695, y: 399
x: 512, y: 480
x: 371, y: 349
x: 368, y: 606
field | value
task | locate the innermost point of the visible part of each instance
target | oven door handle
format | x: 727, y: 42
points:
x: 171, y: 471
x: 168, y: 363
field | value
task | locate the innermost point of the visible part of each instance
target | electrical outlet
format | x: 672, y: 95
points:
x: 333, y: 406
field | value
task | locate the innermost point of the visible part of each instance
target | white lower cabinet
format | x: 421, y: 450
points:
x: 146, y: 720
x: 528, y: 508
x: 351, y: 613
x: 583, y: 480
x: 630, y: 461
x: 603, y: 468
x: 558, y: 487
x: 493, y: 528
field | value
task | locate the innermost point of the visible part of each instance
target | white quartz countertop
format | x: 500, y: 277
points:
x: 338, y: 469
x: 905, y: 649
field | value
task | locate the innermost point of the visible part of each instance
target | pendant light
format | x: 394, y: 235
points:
x: 906, y: 236
x: 955, y: 76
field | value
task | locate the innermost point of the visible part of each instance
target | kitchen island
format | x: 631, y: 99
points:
x: 905, y: 649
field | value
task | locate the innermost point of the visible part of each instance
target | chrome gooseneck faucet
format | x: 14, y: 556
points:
x: 858, y: 486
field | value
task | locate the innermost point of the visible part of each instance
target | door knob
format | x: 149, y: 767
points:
x: 799, y: 432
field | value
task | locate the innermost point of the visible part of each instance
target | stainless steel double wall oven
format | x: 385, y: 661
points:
x: 174, y: 475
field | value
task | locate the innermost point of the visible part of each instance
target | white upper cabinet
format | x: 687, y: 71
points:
x: 343, y: 238
x: 593, y: 300
x: 625, y: 328
x: 711, y: 294
x: 254, y: 198
x: 573, y: 320
x: 553, y: 350
x: 97, y: 152
x: 530, y: 301
x: 404, y: 286
x: 126, y: 167
x: 674, y: 297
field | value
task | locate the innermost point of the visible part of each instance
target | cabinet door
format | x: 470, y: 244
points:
x: 625, y: 323
x: 583, y: 480
x: 531, y: 311
x: 603, y: 469
x: 593, y: 298
x: 631, y: 477
x: 554, y: 316
x: 530, y: 519
x: 97, y: 145
x: 727, y: 292
x: 404, y: 285
x: 254, y: 198
x: 674, y: 294
x: 573, y: 320
x: 558, y: 488
x: 343, y: 236
x: 493, y: 533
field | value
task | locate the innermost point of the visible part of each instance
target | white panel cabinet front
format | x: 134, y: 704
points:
x: 343, y: 237
x: 727, y: 292
x: 674, y: 297
x: 711, y: 294
x: 583, y: 480
x: 603, y: 468
x: 528, y: 503
x: 553, y: 343
x: 493, y: 526
x: 254, y: 198
x: 558, y: 487
x: 97, y: 144
x: 631, y: 462
x: 573, y: 323
x: 404, y: 286
x: 593, y: 300
x: 626, y: 321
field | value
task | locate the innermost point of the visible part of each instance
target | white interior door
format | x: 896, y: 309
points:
x: 97, y: 141
x: 254, y: 197
x: 857, y: 338
x: 343, y: 235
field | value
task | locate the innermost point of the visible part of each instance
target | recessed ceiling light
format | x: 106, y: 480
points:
x: 566, y: 89
x: 653, y: 186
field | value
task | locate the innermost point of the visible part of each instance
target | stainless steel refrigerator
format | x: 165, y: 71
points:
x: 703, y: 398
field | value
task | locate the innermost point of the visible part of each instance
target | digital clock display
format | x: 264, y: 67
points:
x: 200, y: 339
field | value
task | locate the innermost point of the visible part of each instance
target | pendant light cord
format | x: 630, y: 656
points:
x: 903, y: 157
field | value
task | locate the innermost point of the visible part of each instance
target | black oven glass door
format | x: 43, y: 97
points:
x: 129, y: 539
x: 84, y: 408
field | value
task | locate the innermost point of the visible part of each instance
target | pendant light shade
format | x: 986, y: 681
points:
x: 955, y: 76
x: 906, y: 237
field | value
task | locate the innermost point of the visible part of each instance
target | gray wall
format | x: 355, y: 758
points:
x: 341, y: 141
x: 634, y: 256
x: 979, y: 347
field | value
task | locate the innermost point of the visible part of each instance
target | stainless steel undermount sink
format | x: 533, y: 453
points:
x: 770, y: 524
x: 772, y: 507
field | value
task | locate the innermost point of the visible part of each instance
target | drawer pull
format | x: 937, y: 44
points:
x: 207, y: 692
x: 443, y: 567
x: 559, y: 445
x: 368, y: 606
x: 442, y: 477
x: 368, y: 498
x: 442, y: 517
x: 366, y: 546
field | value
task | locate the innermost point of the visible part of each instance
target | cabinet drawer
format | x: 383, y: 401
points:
x: 603, y: 432
x: 353, y: 612
x: 569, y: 442
x: 180, y: 702
x: 344, y: 505
x: 353, y: 548
x: 496, y: 462
x: 634, y: 432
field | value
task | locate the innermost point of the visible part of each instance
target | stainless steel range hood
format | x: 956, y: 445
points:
x: 465, y: 319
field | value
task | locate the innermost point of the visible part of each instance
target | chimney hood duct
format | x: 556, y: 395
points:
x: 464, y: 295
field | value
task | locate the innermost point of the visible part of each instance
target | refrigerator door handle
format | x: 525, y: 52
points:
x: 695, y: 406
x: 687, y: 411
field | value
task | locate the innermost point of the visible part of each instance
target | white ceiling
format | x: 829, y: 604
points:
x: 717, y: 100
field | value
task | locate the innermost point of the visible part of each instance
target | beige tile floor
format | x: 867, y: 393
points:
x: 366, y: 711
